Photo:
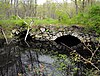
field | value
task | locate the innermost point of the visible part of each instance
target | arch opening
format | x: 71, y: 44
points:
x: 71, y: 41
x: 68, y: 40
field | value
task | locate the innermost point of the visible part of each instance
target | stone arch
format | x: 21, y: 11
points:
x: 68, y: 40
x: 72, y: 41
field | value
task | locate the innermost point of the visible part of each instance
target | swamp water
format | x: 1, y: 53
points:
x: 16, y: 60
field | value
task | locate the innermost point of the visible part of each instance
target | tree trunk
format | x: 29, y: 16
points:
x: 11, y: 7
x: 35, y: 8
x: 83, y: 5
x: 15, y: 7
x: 76, y: 5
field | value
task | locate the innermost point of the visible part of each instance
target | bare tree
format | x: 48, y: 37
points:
x: 76, y: 5
x: 16, y: 7
x: 35, y: 8
x: 83, y: 4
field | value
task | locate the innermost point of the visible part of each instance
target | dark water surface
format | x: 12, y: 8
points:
x: 16, y: 59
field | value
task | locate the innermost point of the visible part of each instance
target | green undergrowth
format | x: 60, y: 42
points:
x: 21, y: 22
x: 9, y: 24
x: 45, y: 21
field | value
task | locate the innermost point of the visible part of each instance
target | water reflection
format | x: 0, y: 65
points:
x: 46, y: 59
x: 19, y: 61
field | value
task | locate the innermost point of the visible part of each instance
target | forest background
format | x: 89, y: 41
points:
x: 81, y: 12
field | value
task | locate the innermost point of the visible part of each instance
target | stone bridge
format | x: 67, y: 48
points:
x: 52, y: 32
x: 64, y: 38
x: 45, y: 39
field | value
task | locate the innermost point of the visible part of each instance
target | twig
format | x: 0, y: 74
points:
x: 27, y: 30
x: 26, y: 37
x: 4, y: 35
x: 90, y: 63
x: 22, y: 20
x: 94, y: 53
x: 87, y: 47
x: 82, y: 57
x: 28, y: 33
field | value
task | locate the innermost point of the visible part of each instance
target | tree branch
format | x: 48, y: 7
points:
x: 28, y: 33
x: 86, y: 60
x: 28, y: 28
x: 94, y: 53
x: 4, y: 35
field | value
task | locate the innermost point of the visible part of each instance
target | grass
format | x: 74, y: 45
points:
x: 45, y: 21
x: 20, y: 22
x: 10, y: 23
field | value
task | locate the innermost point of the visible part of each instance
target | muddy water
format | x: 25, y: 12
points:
x: 20, y: 61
